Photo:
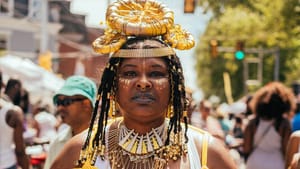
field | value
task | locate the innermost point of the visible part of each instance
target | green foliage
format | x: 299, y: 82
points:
x: 260, y: 24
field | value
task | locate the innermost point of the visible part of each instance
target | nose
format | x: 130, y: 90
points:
x: 143, y: 83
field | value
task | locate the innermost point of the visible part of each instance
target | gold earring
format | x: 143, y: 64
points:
x: 112, y: 108
x: 170, y: 111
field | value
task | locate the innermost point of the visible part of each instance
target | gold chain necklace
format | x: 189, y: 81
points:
x: 139, y: 147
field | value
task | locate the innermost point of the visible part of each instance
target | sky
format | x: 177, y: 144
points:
x: 194, y: 23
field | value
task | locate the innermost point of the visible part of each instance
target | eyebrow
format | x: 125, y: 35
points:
x: 156, y: 65
x: 128, y: 65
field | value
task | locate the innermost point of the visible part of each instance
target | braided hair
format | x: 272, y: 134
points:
x: 107, y: 88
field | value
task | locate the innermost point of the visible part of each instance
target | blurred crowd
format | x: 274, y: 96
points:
x: 261, y: 130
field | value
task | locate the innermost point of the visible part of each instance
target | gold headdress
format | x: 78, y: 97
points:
x: 147, y: 18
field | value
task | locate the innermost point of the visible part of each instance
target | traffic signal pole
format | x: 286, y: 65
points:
x: 44, y: 27
x: 261, y: 52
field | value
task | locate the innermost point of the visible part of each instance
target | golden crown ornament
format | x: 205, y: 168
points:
x: 128, y: 18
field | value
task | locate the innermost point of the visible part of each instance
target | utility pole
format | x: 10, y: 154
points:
x: 44, y: 26
x: 277, y: 64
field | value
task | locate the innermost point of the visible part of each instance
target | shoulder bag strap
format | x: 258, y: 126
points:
x: 261, y: 138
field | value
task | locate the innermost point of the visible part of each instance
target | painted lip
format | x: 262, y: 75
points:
x: 143, y: 98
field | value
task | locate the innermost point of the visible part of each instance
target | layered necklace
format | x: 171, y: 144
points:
x: 128, y: 149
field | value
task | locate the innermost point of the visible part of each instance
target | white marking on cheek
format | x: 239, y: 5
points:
x: 124, y: 83
x: 161, y: 84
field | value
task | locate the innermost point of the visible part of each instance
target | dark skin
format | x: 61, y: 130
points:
x: 143, y: 100
x: 292, y: 156
x: 14, y: 118
x: 217, y: 157
x: 145, y: 82
x: 77, y: 114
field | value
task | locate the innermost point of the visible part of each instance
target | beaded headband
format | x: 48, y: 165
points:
x: 144, y: 18
x: 153, y: 52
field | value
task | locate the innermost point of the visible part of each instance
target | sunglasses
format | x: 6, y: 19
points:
x: 68, y: 101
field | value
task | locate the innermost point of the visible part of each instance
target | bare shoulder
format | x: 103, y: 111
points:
x: 217, y: 154
x: 294, y: 138
x: 296, y: 135
x: 69, y: 155
x: 14, y: 116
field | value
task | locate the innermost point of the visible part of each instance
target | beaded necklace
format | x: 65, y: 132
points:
x: 129, y: 150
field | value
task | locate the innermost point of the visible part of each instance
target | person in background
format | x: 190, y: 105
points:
x: 292, y: 158
x: 25, y: 101
x: 238, y: 127
x: 74, y: 102
x: 12, y: 146
x: 190, y: 103
x: 222, y: 116
x: 144, y: 79
x: 266, y: 135
x: 204, y: 120
x: 44, y: 122
x: 13, y: 91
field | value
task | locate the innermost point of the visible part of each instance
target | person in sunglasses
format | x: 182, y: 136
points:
x: 74, y: 102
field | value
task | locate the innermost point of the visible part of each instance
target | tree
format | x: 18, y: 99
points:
x: 265, y: 24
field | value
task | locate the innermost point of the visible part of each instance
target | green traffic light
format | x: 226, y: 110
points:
x: 239, y: 55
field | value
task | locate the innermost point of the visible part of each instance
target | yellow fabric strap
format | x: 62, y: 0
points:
x: 204, y: 151
x: 87, y: 164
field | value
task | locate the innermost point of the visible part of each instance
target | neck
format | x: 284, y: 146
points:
x: 143, y: 127
x: 79, y: 129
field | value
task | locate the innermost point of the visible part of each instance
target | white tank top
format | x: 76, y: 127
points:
x: 7, y: 152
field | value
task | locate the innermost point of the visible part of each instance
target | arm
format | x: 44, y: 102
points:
x: 15, y: 119
x: 285, y: 132
x: 292, y: 148
x: 218, y: 156
x: 70, y: 153
x: 248, y: 138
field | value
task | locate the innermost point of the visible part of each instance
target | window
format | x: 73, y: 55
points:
x: 6, y: 7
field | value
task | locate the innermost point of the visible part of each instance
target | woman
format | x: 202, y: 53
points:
x: 292, y: 157
x: 144, y: 81
x: 266, y: 136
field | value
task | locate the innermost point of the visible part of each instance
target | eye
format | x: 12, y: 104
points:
x: 129, y: 74
x: 158, y: 74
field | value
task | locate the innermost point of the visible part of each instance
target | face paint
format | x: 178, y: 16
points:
x: 143, y: 88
